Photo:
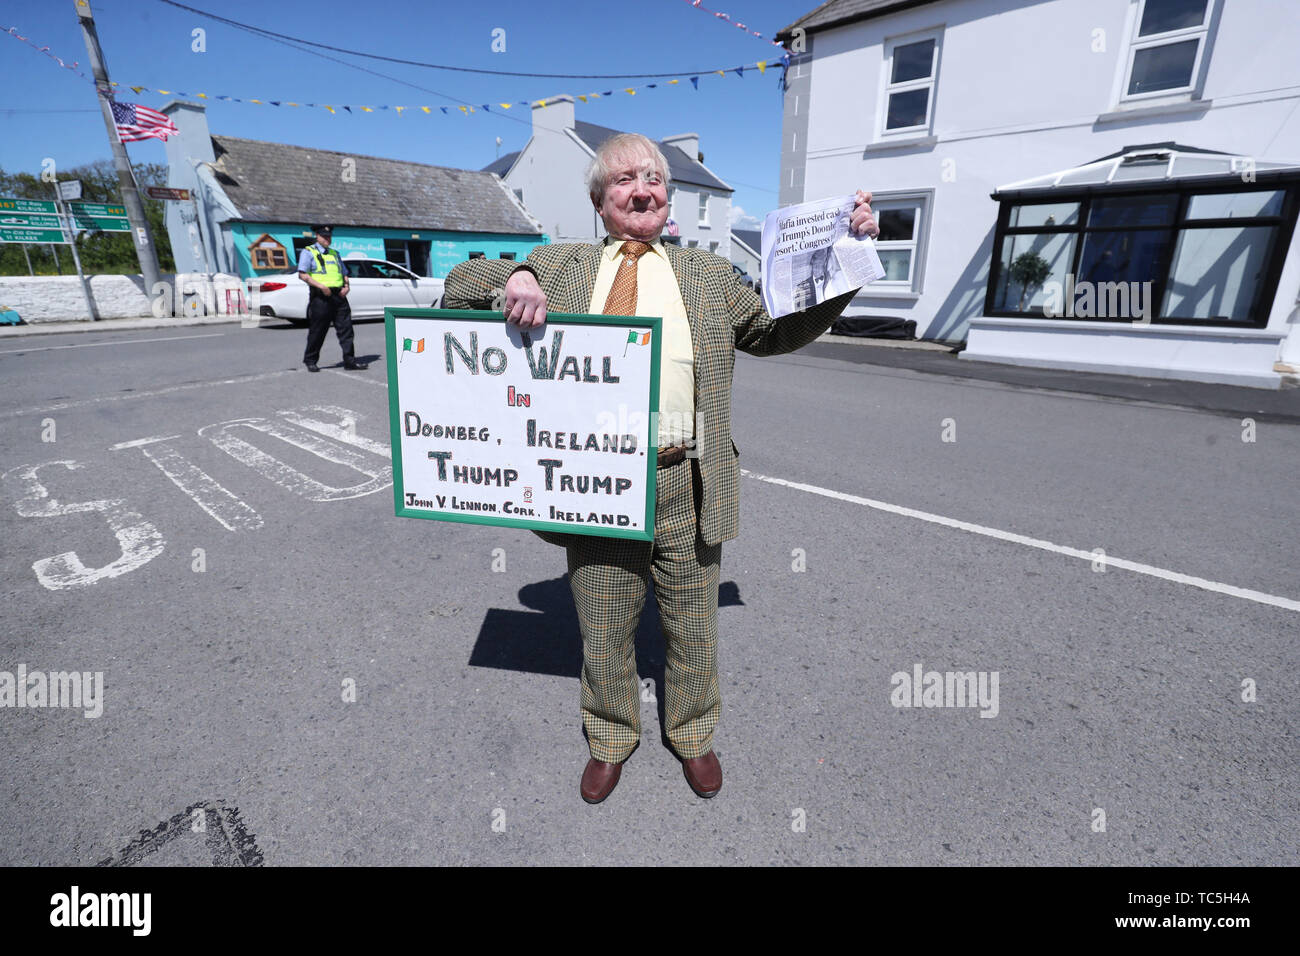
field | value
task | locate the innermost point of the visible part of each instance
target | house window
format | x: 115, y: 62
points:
x: 704, y: 209
x: 1165, y: 54
x: 267, y: 253
x: 507, y: 255
x: 1179, y: 256
x: 478, y: 255
x: 692, y: 243
x: 911, y: 68
x: 713, y: 246
x: 903, y: 220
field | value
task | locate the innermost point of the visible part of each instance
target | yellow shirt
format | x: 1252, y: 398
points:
x: 657, y: 293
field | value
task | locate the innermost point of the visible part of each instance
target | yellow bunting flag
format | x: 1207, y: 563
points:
x: 462, y: 109
x: 630, y: 91
x: 426, y: 109
x: 671, y: 82
x: 366, y: 109
x: 137, y: 89
x: 292, y: 104
x: 399, y: 109
x: 762, y: 66
x: 164, y: 92
x: 202, y: 96
x: 582, y: 97
x: 505, y: 106
x: 330, y: 108
x: 258, y: 102
x: 541, y: 102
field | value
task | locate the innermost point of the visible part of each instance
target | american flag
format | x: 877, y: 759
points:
x: 135, y: 122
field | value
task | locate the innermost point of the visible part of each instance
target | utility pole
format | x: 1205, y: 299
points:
x: 144, y: 247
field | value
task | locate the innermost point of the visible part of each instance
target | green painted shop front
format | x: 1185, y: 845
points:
x: 269, y: 248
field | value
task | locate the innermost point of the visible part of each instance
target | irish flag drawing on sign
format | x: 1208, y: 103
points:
x: 412, y: 345
x: 636, y: 338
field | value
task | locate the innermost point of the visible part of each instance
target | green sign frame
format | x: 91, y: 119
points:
x: 652, y: 324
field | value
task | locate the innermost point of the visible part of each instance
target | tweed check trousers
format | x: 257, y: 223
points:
x: 609, y: 578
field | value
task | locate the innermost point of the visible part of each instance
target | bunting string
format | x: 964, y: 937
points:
x: 13, y: 31
x: 464, y: 109
x: 699, y: 5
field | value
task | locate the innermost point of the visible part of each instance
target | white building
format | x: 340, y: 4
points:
x: 547, y: 176
x: 1032, y: 160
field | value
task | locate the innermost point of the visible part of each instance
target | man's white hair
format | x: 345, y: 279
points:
x: 621, y: 147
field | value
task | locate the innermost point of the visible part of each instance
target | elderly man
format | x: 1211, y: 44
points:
x: 707, y: 313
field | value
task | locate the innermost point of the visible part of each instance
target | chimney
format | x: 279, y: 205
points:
x: 193, y: 142
x: 689, y: 143
x: 555, y: 116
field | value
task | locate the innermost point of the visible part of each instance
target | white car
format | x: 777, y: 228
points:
x: 373, y: 285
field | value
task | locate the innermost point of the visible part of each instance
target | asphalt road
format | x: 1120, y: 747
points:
x: 229, y: 606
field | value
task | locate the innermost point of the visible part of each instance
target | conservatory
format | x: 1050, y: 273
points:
x: 1160, y: 260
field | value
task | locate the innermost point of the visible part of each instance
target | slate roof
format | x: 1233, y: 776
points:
x: 276, y: 182
x: 502, y: 165
x: 838, y: 12
x: 750, y: 237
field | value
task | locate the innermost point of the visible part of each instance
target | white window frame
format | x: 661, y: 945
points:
x: 923, y: 201
x: 887, y: 88
x: 1138, y: 43
x: 704, y: 210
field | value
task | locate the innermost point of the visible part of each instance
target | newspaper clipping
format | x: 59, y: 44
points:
x: 810, y: 254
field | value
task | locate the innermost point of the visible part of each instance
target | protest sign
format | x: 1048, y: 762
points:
x: 550, y: 429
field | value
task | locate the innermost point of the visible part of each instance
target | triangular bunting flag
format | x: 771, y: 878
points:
x: 762, y: 66
x: 695, y: 82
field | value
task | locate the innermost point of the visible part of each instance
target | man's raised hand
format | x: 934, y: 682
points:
x: 863, y: 221
x: 525, y: 301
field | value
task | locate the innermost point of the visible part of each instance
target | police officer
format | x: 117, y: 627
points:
x: 322, y: 269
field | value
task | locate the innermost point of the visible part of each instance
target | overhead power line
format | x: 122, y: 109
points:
x: 270, y: 34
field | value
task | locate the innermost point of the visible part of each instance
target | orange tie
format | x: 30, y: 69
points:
x: 622, y: 294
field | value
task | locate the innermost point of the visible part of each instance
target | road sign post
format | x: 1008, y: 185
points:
x: 72, y: 236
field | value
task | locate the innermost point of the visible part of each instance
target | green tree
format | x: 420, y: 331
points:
x: 110, y: 253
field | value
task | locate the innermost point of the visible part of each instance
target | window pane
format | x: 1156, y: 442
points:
x: 907, y: 109
x: 1263, y: 202
x: 1165, y: 67
x: 1018, y: 253
x: 913, y: 61
x: 896, y: 224
x: 1123, y: 256
x: 1133, y: 211
x: 1161, y: 16
x: 1216, y: 273
x: 1045, y: 214
x: 897, y: 263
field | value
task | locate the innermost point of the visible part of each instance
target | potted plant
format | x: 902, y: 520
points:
x: 1030, y: 270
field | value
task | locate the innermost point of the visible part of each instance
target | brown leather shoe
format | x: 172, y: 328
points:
x: 704, y: 774
x: 599, y: 780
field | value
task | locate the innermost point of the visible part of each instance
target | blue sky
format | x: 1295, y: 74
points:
x: 51, y: 112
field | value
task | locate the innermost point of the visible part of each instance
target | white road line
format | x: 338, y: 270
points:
x: 1175, y: 576
x: 92, y: 345
x: 356, y: 378
x: 60, y: 406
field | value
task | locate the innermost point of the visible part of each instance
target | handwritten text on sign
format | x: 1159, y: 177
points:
x: 546, y: 429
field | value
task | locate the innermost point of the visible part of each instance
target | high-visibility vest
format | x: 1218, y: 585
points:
x: 329, y: 268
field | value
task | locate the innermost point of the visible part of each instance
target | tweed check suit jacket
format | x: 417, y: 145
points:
x: 724, y: 315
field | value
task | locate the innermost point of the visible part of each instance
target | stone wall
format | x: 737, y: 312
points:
x: 60, y: 298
